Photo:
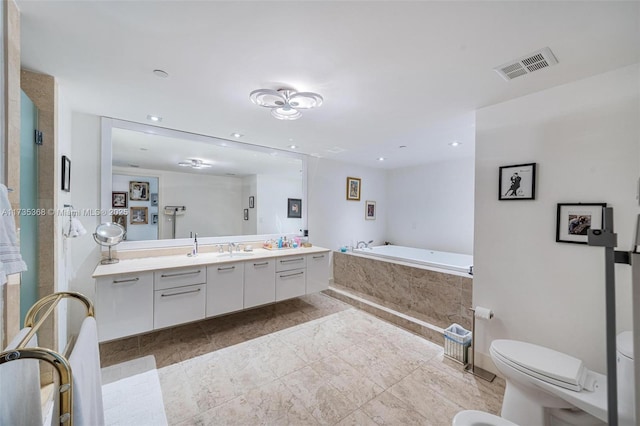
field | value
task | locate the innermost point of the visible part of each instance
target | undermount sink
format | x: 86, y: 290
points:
x: 236, y: 254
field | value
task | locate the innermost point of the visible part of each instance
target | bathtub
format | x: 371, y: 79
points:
x: 436, y: 259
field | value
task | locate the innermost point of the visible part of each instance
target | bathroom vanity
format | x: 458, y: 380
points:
x: 140, y: 295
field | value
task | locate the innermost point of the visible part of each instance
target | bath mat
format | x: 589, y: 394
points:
x: 135, y: 399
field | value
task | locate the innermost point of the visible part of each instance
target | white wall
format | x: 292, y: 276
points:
x: 584, y: 137
x: 334, y: 221
x: 271, y: 207
x: 431, y: 206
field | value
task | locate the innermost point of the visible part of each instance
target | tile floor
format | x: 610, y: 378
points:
x: 307, y: 361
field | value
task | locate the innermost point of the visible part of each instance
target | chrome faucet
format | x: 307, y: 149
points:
x: 231, y: 246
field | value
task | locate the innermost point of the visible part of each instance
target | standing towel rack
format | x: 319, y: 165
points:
x: 58, y: 361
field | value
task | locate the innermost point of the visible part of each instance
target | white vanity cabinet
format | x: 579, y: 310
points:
x: 259, y: 282
x: 179, y: 296
x: 225, y: 288
x: 124, y: 305
x: 317, y: 272
x: 290, y: 277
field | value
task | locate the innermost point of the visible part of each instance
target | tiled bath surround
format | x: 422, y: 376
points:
x: 433, y: 297
x: 307, y: 361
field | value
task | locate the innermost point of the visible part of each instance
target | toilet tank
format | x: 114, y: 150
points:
x: 625, y: 374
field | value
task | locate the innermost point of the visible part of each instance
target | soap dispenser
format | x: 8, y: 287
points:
x: 194, y: 250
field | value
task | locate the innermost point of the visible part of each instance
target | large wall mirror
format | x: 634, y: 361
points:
x: 175, y: 184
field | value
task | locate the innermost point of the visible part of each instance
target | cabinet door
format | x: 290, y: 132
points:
x: 225, y: 288
x: 179, y: 305
x: 290, y: 284
x: 124, y: 305
x: 259, y: 282
x: 317, y: 272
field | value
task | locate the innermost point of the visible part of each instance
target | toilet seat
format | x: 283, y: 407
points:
x: 479, y: 418
x: 545, y: 364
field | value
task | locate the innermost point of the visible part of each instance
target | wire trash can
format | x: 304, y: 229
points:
x: 457, y: 340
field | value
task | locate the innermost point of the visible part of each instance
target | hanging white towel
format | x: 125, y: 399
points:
x: 10, y: 257
x: 20, y: 388
x: 87, y: 379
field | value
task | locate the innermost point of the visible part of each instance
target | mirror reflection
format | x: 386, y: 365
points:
x: 175, y: 187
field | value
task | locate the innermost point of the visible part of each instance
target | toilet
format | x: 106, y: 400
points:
x: 546, y: 387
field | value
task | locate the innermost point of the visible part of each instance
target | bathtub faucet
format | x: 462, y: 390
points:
x: 363, y: 244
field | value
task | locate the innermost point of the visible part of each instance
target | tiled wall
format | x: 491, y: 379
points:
x: 435, y: 297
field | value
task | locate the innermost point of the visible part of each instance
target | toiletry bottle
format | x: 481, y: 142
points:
x: 194, y: 250
x: 280, y: 243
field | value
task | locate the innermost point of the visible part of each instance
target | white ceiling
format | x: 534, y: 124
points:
x: 391, y: 73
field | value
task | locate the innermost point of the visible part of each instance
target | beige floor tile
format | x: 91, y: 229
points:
x: 375, y: 368
x: 356, y: 387
x: 357, y: 418
x: 179, y: 401
x: 386, y: 409
x: 327, y: 404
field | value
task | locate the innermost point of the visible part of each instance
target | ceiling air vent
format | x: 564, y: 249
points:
x: 543, y: 58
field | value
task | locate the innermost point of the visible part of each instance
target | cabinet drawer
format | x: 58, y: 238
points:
x: 178, y: 305
x: 290, y: 284
x: 124, y: 305
x: 290, y: 262
x: 179, y: 277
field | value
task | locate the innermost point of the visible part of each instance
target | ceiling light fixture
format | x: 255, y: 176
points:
x: 293, y: 146
x: 154, y: 118
x: 194, y: 164
x: 285, y: 103
x: 237, y: 135
x: 380, y: 158
x: 454, y: 143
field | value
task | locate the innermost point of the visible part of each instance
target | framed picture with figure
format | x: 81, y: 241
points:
x: 119, y: 200
x: 370, y: 210
x: 517, y: 182
x: 138, y: 191
x: 294, y: 208
x: 139, y: 215
x: 574, y: 221
x: 66, y: 174
x: 353, y: 188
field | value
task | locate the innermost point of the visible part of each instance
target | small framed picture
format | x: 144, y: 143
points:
x: 154, y: 199
x: 154, y: 218
x: 353, y: 188
x: 66, y: 174
x: 574, y: 220
x: 139, y: 215
x: 517, y: 182
x: 252, y: 202
x: 138, y: 191
x: 294, y: 208
x: 246, y: 214
x: 119, y: 200
x: 120, y: 219
x: 370, y: 210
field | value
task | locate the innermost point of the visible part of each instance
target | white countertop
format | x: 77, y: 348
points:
x: 127, y: 266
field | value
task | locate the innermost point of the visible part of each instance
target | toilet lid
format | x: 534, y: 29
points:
x: 543, y: 363
x: 477, y: 418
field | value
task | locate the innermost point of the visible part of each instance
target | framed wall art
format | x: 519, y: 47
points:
x: 294, y: 208
x: 252, y: 202
x: 119, y: 200
x: 66, y: 174
x: 353, y: 188
x: 138, y: 191
x: 246, y: 214
x: 139, y: 215
x: 517, y: 182
x: 370, y: 210
x: 574, y: 220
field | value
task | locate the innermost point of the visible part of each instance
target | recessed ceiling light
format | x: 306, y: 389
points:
x: 161, y: 73
x: 380, y: 158
x: 194, y: 164
x: 237, y: 135
x: 402, y: 146
x: 293, y: 146
x: 135, y: 166
x: 455, y: 143
x: 144, y: 149
x: 154, y: 118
